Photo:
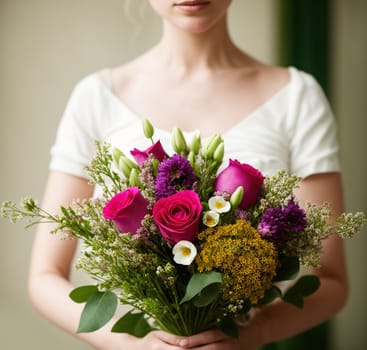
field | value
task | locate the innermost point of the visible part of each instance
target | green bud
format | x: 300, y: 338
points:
x: 211, y: 146
x: 219, y: 153
x: 148, y: 129
x: 155, y: 163
x: 116, y: 155
x: 197, y: 169
x: 195, y: 144
x: 178, y: 141
x: 192, y: 158
x: 130, y: 163
x: 134, y: 178
x: 236, y: 197
x: 124, y: 167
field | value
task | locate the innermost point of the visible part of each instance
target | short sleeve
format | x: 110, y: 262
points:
x: 76, y: 135
x: 313, y: 143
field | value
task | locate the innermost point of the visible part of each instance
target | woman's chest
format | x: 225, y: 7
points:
x: 212, y: 105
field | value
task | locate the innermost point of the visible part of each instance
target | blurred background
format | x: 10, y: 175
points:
x: 47, y: 46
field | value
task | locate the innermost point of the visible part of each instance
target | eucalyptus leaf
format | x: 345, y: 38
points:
x: 270, y: 295
x: 199, y: 281
x: 133, y: 323
x: 207, y: 295
x: 289, y: 268
x: 98, y: 310
x: 83, y: 293
x: 304, y: 287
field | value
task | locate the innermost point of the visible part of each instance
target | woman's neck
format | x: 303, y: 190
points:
x: 187, y: 53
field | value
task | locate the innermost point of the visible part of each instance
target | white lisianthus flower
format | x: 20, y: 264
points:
x: 184, y: 252
x: 210, y: 218
x: 219, y: 204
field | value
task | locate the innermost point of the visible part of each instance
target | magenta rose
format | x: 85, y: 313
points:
x: 237, y: 174
x: 156, y: 150
x: 178, y: 216
x: 126, y: 209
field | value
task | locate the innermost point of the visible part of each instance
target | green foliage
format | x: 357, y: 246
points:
x: 229, y: 327
x: 99, y: 309
x: 101, y: 173
x: 304, y: 287
x: 288, y: 269
x: 82, y: 294
x: 198, y: 284
x: 270, y: 295
x: 135, y: 324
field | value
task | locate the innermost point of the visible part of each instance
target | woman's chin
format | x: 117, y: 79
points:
x: 195, y: 25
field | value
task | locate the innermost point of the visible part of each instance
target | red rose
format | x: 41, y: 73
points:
x: 237, y: 174
x: 126, y: 209
x: 156, y: 150
x: 178, y: 216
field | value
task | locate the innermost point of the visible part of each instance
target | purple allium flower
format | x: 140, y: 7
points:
x: 174, y: 174
x: 277, y: 223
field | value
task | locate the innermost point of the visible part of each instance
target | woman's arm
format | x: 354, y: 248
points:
x: 280, y: 320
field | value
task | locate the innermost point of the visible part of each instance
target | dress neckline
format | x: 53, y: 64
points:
x: 107, y: 87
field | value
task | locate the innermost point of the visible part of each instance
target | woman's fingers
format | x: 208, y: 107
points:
x: 208, y: 337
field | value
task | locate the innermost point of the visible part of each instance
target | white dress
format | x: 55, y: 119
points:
x: 293, y: 130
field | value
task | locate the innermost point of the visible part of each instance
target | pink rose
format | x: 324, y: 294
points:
x: 126, y: 209
x: 156, y: 150
x: 237, y: 174
x: 178, y: 216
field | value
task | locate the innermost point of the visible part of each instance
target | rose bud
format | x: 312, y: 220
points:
x: 237, y: 174
x: 156, y: 150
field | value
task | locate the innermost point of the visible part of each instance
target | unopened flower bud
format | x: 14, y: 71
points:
x: 236, y: 197
x: 195, y: 143
x: 124, y: 167
x: 116, y: 155
x: 155, y: 164
x: 148, y: 129
x: 211, y: 146
x: 134, y: 178
x: 192, y: 158
x: 219, y: 153
x: 178, y: 141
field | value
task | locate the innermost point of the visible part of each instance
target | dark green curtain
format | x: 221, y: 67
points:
x: 303, y: 43
x: 304, y: 37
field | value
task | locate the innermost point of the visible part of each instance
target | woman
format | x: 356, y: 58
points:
x: 195, y: 78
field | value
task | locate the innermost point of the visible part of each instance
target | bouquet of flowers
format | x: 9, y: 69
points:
x: 188, y: 246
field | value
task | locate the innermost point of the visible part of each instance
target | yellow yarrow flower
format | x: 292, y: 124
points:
x: 247, y: 261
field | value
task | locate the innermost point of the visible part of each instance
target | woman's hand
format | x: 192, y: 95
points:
x: 217, y: 340
x: 209, y: 340
x: 155, y: 340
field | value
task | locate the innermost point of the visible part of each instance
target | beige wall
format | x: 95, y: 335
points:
x: 47, y: 46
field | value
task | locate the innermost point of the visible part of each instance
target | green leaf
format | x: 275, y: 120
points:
x: 229, y: 327
x: 199, y: 281
x: 82, y: 294
x: 98, y: 310
x: 132, y: 323
x: 270, y: 295
x: 207, y: 295
x: 304, y: 287
x: 289, y: 268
